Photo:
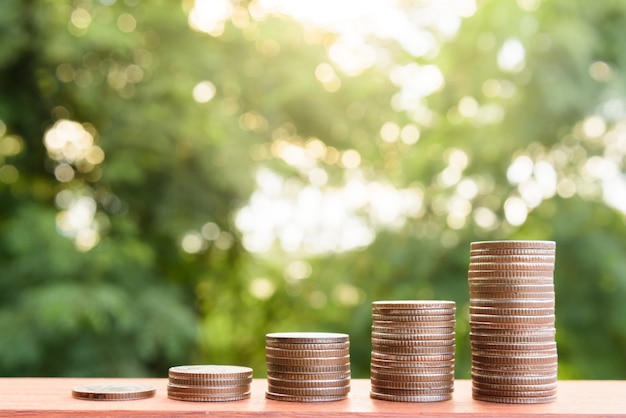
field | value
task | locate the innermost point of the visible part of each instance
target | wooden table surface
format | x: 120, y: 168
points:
x: 52, y: 397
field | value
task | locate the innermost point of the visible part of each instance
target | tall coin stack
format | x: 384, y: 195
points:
x: 512, y: 329
x: 209, y: 383
x: 412, y: 350
x: 307, y: 366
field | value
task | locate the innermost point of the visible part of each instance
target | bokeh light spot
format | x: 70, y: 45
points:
x: 126, y: 23
x: 203, y: 92
x: 80, y: 18
x: 262, y: 288
x: 515, y: 211
x: 8, y: 174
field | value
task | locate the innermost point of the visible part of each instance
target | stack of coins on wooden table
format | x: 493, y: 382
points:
x: 512, y: 322
x: 209, y: 383
x: 307, y: 366
x: 413, y: 345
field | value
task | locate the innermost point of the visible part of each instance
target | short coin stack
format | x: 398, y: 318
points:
x: 413, y: 345
x: 307, y: 366
x: 512, y: 330
x: 209, y: 383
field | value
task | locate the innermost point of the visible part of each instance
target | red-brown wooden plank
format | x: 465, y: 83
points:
x: 52, y: 397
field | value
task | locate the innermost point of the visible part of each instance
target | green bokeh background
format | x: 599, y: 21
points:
x: 137, y: 302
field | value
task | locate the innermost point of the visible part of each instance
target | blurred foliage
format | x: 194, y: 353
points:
x: 160, y: 274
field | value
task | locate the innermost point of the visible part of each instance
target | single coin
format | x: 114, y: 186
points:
x: 294, y: 398
x: 182, y: 381
x: 515, y: 354
x: 435, y: 339
x: 413, y: 350
x: 482, y: 310
x: 412, y: 343
x: 409, y: 398
x: 475, y: 325
x: 513, y: 303
x: 412, y: 392
x: 210, y: 371
x: 311, y: 361
x: 474, y: 273
x: 341, y: 368
x: 513, y: 251
x: 395, y: 360
x: 517, y: 359
x: 427, y: 320
x: 497, y: 288
x: 487, y: 386
x: 306, y: 383
x: 514, y: 400
x: 511, y: 266
x: 113, y: 392
x: 512, y: 258
x: 406, y: 322
x: 538, y: 332
x: 411, y: 358
x: 206, y: 390
x: 306, y: 337
x: 208, y: 398
x: 514, y: 380
x: 395, y: 367
x: 512, y: 348
x: 505, y: 317
x: 414, y: 304
x: 514, y: 244
x: 313, y: 377
x: 280, y: 352
x: 324, y: 391
x: 444, y: 378
x: 532, y: 281
x: 479, y: 293
x: 412, y: 385
x: 450, y: 312
x: 516, y: 394
x: 497, y: 369
x: 411, y: 366
x: 502, y: 285
x: 416, y: 333
x: 513, y: 370
x: 386, y: 329
x: 508, y: 339
x: 305, y: 346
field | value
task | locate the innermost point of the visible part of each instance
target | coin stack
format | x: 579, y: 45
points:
x: 512, y: 330
x: 412, y: 350
x: 209, y: 383
x: 307, y: 366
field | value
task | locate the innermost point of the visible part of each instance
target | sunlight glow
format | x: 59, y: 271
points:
x: 69, y: 141
x: 203, y: 92
x: 515, y: 211
x: 77, y: 220
x: 512, y: 56
x: 71, y: 145
x: 414, y: 26
x: 416, y: 82
x: 315, y: 220
x: 520, y: 170
x: 210, y: 15
x: 262, y: 288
